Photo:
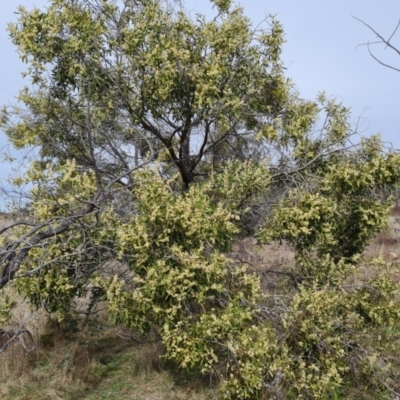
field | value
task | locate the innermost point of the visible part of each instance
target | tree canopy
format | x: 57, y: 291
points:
x: 164, y: 139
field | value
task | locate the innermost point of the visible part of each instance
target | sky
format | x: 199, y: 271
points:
x: 321, y: 52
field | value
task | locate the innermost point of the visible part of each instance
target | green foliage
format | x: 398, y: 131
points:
x: 7, y: 303
x: 163, y: 141
x: 331, y: 334
x: 152, y: 75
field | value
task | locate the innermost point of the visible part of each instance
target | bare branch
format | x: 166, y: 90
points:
x: 384, y: 41
x: 8, y: 336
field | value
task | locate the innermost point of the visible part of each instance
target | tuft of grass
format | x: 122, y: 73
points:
x: 78, y: 361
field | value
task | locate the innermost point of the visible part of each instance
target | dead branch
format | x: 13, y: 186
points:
x: 381, y: 40
x: 8, y: 336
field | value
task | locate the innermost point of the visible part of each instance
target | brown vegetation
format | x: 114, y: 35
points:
x: 88, y: 360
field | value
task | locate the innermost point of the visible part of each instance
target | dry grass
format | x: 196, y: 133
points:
x: 4, y: 220
x: 90, y: 361
x: 386, y: 244
x: 268, y: 261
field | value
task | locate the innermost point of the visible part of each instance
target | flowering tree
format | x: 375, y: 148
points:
x: 162, y: 140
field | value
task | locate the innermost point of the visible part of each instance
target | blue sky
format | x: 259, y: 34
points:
x: 320, y: 54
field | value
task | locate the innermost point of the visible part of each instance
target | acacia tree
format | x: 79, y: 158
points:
x: 161, y: 141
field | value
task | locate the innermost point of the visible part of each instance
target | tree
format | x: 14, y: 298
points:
x: 162, y: 142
